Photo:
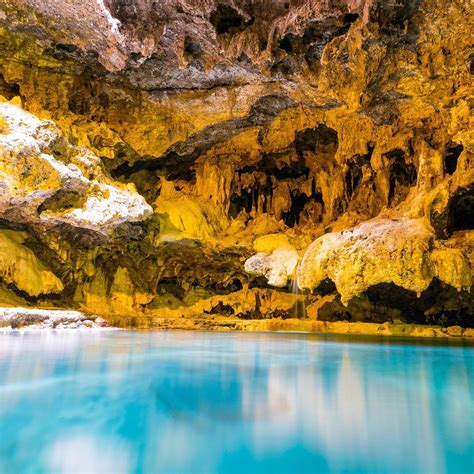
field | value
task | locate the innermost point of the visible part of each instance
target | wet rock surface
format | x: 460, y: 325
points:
x: 177, y: 159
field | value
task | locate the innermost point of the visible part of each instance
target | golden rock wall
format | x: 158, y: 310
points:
x: 182, y: 158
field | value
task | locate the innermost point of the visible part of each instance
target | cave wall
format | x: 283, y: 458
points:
x: 149, y: 147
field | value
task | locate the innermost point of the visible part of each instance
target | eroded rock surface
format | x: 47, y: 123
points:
x: 180, y: 158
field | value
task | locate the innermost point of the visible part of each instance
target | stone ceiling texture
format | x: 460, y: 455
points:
x: 182, y: 158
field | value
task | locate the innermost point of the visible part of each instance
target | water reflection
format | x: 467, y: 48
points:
x: 203, y: 402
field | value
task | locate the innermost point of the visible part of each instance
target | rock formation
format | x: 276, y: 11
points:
x: 239, y: 159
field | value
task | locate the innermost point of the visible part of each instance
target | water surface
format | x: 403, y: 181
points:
x: 118, y: 401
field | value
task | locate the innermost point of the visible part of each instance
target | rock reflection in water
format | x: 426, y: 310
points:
x: 187, y: 402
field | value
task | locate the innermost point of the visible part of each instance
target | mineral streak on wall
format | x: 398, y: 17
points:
x: 237, y: 160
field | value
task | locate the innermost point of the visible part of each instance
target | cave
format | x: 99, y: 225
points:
x: 236, y: 236
x: 298, y: 201
x: 350, y: 17
x: 192, y: 48
x: 402, y: 176
x: 316, y: 139
x: 8, y: 89
x: 285, y: 44
x: 451, y: 158
x: 225, y: 18
x: 144, y: 126
x: 353, y: 177
x: 460, y: 211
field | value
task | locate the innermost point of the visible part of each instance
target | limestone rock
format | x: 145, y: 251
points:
x: 382, y: 251
x: 45, y: 179
x: 20, y: 266
x: 149, y: 149
x: 276, y: 259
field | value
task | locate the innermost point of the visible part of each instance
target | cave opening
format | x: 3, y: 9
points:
x: 412, y: 309
x: 249, y: 199
x: 388, y: 302
x: 461, y: 211
x: 355, y: 173
x: 316, y: 139
x: 192, y: 48
x: 352, y: 178
x: 298, y: 203
x: 225, y: 18
x: 350, y: 17
x: 285, y: 44
x: 8, y: 89
x: 451, y: 158
x: 402, y: 175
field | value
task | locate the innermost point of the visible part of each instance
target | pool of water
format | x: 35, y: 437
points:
x: 119, y: 401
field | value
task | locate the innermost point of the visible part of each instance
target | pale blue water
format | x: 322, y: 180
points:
x: 231, y: 402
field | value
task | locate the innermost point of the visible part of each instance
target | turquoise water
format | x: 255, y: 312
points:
x: 118, y: 401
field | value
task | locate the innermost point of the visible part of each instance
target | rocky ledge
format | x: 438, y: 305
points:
x: 265, y: 163
x: 36, y: 318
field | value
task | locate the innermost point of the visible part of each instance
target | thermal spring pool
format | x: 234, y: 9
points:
x: 132, y: 402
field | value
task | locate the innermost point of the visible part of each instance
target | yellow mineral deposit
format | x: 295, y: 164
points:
x: 315, y: 162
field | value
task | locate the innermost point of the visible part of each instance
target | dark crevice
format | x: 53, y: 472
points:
x: 392, y: 16
x: 317, y: 34
x: 350, y: 17
x: 402, y: 176
x: 439, y: 305
x: 177, y: 162
x: 451, y: 158
x: 227, y: 19
x: 62, y: 200
x: 425, y: 309
x: 285, y: 44
x: 33, y: 300
x: 240, y: 202
x: 315, y: 139
x: 461, y: 211
x: 352, y: 179
x: 248, y: 199
x: 298, y: 203
x: 313, y: 55
x: 171, y: 286
x: 326, y: 287
x: 355, y: 172
x: 192, y: 48
x: 221, y: 309
x: 8, y: 89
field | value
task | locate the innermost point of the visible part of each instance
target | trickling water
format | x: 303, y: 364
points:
x: 299, y: 309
